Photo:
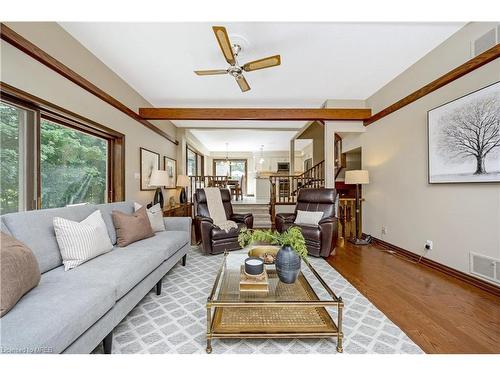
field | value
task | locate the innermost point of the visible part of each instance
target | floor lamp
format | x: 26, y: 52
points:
x: 357, y: 177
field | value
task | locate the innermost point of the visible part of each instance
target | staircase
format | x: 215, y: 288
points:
x: 261, y: 216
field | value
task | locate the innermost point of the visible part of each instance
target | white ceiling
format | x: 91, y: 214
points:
x: 248, y: 140
x: 319, y: 60
x: 285, y: 125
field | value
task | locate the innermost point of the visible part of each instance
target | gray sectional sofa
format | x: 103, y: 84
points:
x: 73, y: 311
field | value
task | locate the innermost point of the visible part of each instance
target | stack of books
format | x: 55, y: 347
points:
x: 249, y: 283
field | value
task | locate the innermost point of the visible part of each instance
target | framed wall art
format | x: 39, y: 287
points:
x: 464, y: 138
x: 170, y: 165
x: 150, y: 161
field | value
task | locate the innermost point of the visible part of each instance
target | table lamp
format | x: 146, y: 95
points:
x: 182, y: 182
x: 357, y: 177
x: 159, y: 178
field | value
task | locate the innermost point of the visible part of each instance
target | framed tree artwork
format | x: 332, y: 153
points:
x: 150, y: 161
x: 170, y: 166
x: 464, y: 138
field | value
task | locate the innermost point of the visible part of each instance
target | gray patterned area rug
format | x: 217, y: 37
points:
x: 175, y: 321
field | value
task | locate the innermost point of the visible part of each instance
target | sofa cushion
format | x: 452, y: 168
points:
x: 19, y: 272
x: 107, y: 209
x: 124, y: 267
x: 36, y: 230
x: 55, y: 313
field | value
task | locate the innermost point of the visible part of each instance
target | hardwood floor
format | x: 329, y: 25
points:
x: 438, y: 312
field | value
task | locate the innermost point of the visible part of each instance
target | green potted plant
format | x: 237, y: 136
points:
x: 293, y: 249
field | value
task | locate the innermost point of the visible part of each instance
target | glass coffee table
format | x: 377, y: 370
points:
x: 285, y: 311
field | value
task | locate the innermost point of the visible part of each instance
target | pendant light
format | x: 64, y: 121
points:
x: 261, y: 161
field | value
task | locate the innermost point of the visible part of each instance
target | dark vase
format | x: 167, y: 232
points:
x: 287, y: 265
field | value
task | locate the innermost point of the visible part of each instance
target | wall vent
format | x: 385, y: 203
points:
x: 486, y: 41
x: 485, y: 267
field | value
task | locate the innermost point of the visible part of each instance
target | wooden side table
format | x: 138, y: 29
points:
x: 178, y: 210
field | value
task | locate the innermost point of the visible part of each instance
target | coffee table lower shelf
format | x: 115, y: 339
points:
x: 279, y: 320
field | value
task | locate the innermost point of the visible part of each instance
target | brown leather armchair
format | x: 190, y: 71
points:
x: 322, y: 238
x: 213, y: 239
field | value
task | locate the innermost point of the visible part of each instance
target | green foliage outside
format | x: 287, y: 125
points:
x: 9, y: 159
x: 292, y: 237
x: 73, y: 164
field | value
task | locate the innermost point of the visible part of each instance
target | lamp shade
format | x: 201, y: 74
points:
x: 357, y: 177
x: 183, y: 180
x: 159, y: 178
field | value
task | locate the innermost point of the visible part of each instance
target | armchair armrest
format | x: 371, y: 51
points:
x: 286, y: 218
x: 283, y: 221
x: 203, y: 218
x: 246, y: 219
x: 327, y: 220
x: 239, y: 218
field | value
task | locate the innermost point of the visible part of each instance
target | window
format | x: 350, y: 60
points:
x: 51, y: 157
x: 194, y: 163
x: 234, y: 169
x: 12, y: 145
x: 191, y: 162
x: 73, y: 166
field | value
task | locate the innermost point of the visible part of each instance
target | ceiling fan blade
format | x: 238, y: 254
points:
x: 224, y: 43
x: 242, y: 82
x: 210, y: 72
x: 266, y: 62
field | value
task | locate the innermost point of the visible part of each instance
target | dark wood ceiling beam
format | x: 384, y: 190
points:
x: 258, y: 114
x: 469, y: 66
x: 15, y: 39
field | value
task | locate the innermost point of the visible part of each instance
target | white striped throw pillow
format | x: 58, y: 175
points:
x: 81, y: 241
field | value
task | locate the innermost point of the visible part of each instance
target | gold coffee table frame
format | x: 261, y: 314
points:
x: 286, y: 311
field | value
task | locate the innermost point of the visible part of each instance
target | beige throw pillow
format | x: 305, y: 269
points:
x: 308, y: 217
x: 131, y: 228
x: 155, y: 215
x: 19, y: 272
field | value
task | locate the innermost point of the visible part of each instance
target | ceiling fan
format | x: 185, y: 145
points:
x: 230, y: 52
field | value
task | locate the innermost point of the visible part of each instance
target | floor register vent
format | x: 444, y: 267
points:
x: 486, y: 41
x: 485, y: 267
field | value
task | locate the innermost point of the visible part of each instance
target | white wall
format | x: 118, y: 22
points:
x: 25, y: 73
x: 459, y: 218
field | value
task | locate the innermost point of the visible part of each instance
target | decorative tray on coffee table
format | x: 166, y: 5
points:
x: 262, y: 250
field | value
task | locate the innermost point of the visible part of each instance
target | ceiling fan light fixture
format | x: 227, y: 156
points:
x: 231, y: 52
